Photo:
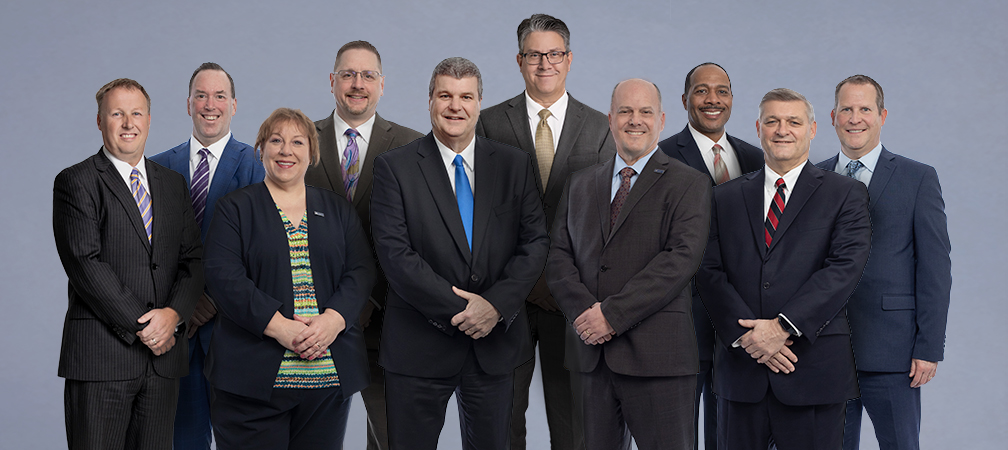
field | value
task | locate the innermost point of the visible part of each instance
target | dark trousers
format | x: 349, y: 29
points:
x: 657, y: 412
x: 416, y: 408
x: 192, y: 418
x: 705, y: 386
x: 894, y: 408
x: 131, y: 414
x: 754, y: 426
x: 562, y: 417
x: 374, y: 403
x: 295, y: 419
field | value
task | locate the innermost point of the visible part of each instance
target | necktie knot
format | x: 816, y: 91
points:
x: 135, y: 174
x: 544, y: 113
x: 853, y: 168
x: 716, y: 149
x: 351, y: 133
x: 627, y: 172
x: 458, y: 161
x: 779, y: 184
x: 203, y: 153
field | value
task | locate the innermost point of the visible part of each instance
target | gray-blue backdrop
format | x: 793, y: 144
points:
x: 943, y: 68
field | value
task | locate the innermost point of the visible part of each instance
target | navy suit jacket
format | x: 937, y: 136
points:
x: 900, y: 307
x: 683, y: 147
x: 249, y: 275
x: 818, y: 253
x: 422, y: 247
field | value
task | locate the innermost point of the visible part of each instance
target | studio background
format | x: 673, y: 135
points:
x: 942, y: 66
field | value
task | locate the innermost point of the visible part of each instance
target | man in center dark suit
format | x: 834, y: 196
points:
x: 708, y: 102
x: 460, y: 233
x: 629, y: 235
x: 571, y: 137
x: 129, y: 243
x: 213, y: 163
x: 787, y: 245
x: 357, y: 85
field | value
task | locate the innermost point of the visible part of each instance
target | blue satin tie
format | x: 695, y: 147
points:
x: 464, y: 196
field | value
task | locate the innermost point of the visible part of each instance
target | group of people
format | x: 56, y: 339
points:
x: 650, y: 274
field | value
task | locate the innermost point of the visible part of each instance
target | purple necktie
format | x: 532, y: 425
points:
x: 350, y: 167
x: 200, y: 186
x: 143, y: 201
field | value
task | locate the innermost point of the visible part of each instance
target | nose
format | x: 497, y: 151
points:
x: 358, y: 81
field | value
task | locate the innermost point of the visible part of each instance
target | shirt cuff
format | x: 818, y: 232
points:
x: 798, y: 332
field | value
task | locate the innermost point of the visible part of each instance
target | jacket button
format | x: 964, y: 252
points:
x: 603, y: 268
x: 474, y: 278
x: 766, y: 285
x: 153, y: 266
x: 150, y: 304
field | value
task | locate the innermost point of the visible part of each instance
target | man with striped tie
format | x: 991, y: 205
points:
x: 214, y: 163
x: 129, y: 243
x: 787, y: 245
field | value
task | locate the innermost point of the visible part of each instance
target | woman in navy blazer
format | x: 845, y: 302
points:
x: 258, y: 402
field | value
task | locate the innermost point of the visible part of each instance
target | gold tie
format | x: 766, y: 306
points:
x: 544, y: 147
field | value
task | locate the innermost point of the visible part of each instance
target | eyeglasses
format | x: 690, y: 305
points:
x: 552, y: 57
x: 369, y: 76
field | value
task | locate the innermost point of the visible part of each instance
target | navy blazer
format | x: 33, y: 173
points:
x: 817, y: 255
x: 422, y: 247
x: 900, y: 308
x: 238, y: 167
x: 249, y: 275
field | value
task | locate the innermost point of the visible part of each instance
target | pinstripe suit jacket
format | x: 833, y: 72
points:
x: 116, y: 275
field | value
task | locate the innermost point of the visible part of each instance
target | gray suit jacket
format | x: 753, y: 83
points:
x: 584, y: 142
x: 639, y: 270
x: 116, y: 275
x: 327, y: 174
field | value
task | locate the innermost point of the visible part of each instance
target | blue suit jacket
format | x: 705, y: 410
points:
x: 900, y: 307
x: 811, y: 268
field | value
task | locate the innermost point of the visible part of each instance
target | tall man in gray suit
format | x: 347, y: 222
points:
x: 213, y: 163
x: 705, y: 146
x: 349, y: 140
x: 629, y: 236
x: 129, y: 243
x: 899, y: 310
x: 563, y: 136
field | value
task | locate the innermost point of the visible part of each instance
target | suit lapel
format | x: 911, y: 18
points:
x: 808, y: 181
x: 115, y: 184
x: 573, y: 121
x: 884, y: 169
x: 225, y: 172
x: 486, y: 176
x: 330, y: 155
x: 433, y: 169
x: 745, y: 164
x: 691, y: 152
x: 159, y: 209
x: 652, y: 171
x: 518, y: 117
x: 752, y: 194
x: 603, y: 194
x: 380, y: 141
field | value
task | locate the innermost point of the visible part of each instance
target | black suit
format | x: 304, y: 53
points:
x: 422, y: 247
x: 683, y: 146
x: 816, y: 258
x: 116, y: 275
x: 585, y: 140
x: 328, y: 174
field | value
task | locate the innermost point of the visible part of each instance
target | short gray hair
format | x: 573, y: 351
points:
x: 458, y: 68
x: 542, y: 22
x: 787, y: 95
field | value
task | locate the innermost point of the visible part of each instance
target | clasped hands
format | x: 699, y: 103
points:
x: 309, y: 337
x: 479, y: 317
x: 767, y: 343
x: 592, y: 326
x: 159, y: 334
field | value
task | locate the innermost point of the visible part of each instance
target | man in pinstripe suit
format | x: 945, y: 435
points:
x: 128, y: 240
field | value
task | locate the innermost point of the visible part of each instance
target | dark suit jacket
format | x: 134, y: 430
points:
x: 116, y: 275
x: 818, y: 252
x: 327, y: 174
x: 249, y: 275
x: 584, y: 141
x: 683, y: 147
x: 639, y: 270
x: 422, y: 247
x: 900, y: 307
x: 238, y: 167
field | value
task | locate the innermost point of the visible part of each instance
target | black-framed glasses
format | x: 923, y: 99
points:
x: 369, y: 76
x: 554, y: 57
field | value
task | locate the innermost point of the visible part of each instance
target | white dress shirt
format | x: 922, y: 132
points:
x: 706, y: 146
x: 363, y: 137
x: 558, y: 112
x: 125, y: 170
x: 468, y: 161
x: 216, y: 150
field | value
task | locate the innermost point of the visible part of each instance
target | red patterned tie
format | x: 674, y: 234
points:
x: 773, y: 215
x: 621, y: 195
x: 720, y: 168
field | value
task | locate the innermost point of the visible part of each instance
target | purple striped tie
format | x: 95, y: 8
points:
x: 143, y: 201
x: 200, y: 186
x: 350, y: 167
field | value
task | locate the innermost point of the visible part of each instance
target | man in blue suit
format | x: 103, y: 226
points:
x: 214, y: 163
x: 898, y: 311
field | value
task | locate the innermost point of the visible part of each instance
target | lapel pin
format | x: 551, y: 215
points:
x: 659, y: 171
x: 319, y: 213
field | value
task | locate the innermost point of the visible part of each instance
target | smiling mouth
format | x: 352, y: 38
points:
x: 285, y: 164
x: 210, y: 118
x: 712, y: 113
x: 856, y: 131
x: 635, y: 133
x: 128, y: 135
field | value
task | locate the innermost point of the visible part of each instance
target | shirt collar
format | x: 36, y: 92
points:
x: 216, y: 149
x: 870, y: 160
x: 124, y: 168
x: 558, y: 109
x: 705, y: 143
x: 363, y: 131
x: 637, y: 166
x: 790, y: 178
x: 468, y: 153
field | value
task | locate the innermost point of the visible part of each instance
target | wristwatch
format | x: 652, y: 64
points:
x: 787, y: 326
